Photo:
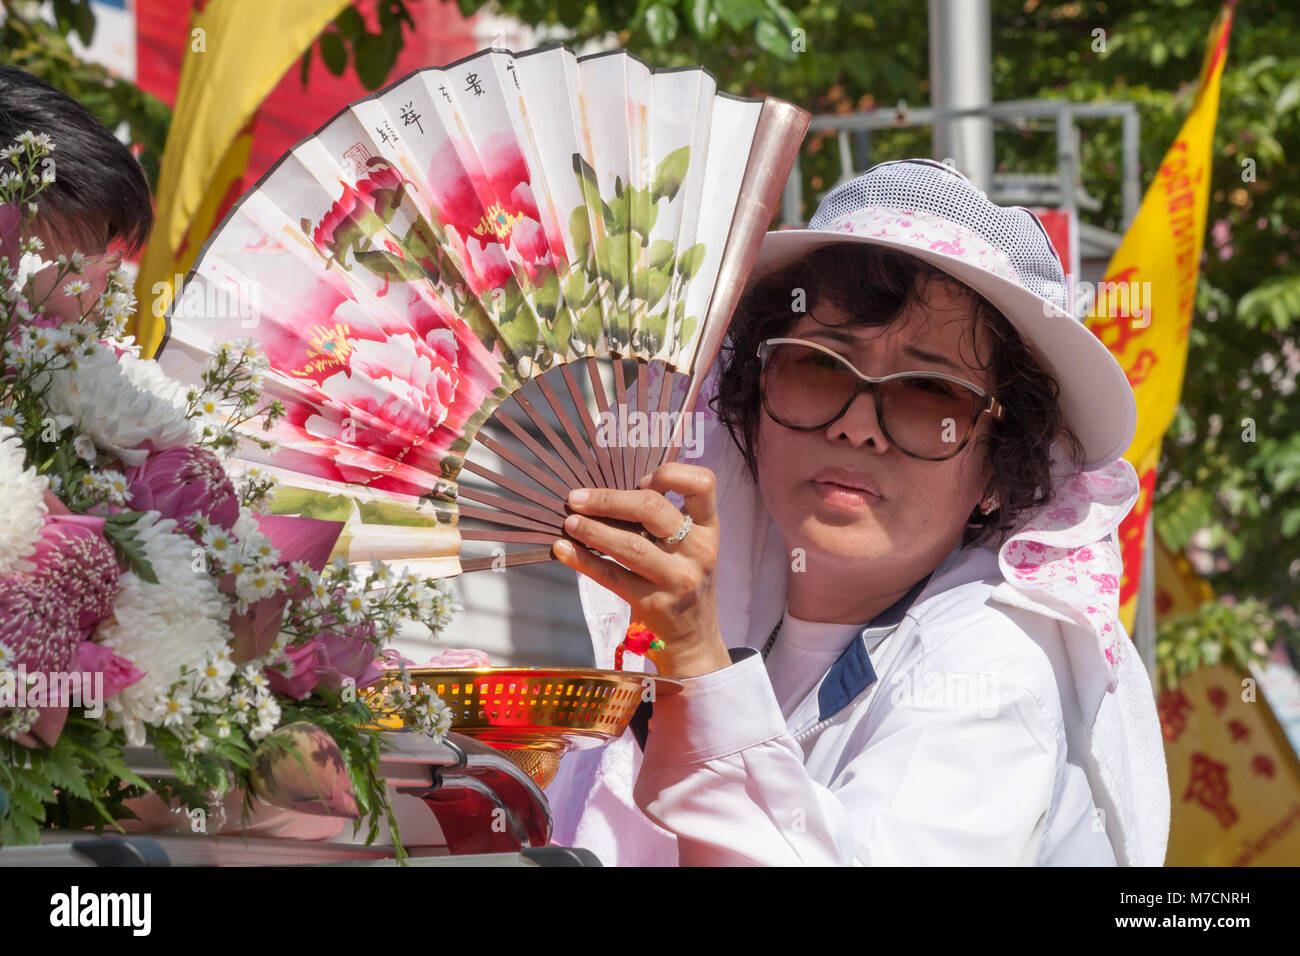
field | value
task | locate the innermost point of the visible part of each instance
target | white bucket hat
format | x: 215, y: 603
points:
x: 931, y: 211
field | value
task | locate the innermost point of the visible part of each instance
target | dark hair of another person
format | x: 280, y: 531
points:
x: 874, y: 286
x: 99, y: 188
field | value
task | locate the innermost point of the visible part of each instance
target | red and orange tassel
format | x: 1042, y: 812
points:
x: 639, y: 639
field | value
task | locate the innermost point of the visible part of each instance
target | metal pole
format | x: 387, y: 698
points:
x: 961, y: 76
x: 1132, y: 175
x: 1144, y: 625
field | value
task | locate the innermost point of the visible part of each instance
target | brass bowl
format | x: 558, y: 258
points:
x: 533, y: 715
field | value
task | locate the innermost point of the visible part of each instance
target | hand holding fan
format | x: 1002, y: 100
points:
x: 439, y: 273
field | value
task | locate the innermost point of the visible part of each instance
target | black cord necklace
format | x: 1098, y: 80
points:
x: 767, y: 648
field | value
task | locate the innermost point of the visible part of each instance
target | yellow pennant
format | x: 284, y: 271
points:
x: 238, y: 51
x: 1144, y: 304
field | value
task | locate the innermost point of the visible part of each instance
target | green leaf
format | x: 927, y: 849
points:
x: 83, y: 19
x: 304, y: 66
x: 739, y: 14
x: 642, y: 213
x: 350, y: 23
x: 687, y: 329
x: 333, y: 52
x: 661, y: 24
x: 580, y: 229
x: 651, y: 284
x: 704, y: 18
x: 1288, y: 98
x: 590, y: 325
x: 394, y: 513
x: 547, y: 298
x: 654, y: 329
x: 575, y: 287
x: 617, y: 213
x: 670, y: 174
x: 611, y: 253
x: 289, y: 500
x: 563, y: 327
x: 386, y: 202
x: 689, y: 262
x: 588, y: 182
x: 384, y: 263
x: 121, y: 532
x: 373, y: 60
x: 774, y: 40
x: 784, y: 18
x: 661, y: 254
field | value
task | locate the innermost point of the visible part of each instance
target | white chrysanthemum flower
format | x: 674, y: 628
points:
x: 168, y: 630
x: 23, y: 515
x: 121, y: 404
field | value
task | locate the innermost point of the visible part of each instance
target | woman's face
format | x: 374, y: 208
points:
x: 922, y: 507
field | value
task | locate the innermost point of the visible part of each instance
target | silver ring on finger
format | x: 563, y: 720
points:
x: 681, y: 532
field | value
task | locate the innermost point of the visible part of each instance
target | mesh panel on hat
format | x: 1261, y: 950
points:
x: 928, y: 186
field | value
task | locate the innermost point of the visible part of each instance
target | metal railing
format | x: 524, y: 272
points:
x: 1011, y: 113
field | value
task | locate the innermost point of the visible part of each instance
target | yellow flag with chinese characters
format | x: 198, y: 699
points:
x: 1234, y: 778
x: 1143, y: 309
x: 237, y: 53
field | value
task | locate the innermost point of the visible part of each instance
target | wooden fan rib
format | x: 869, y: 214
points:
x: 599, y: 452
x: 522, y: 537
x: 510, y: 559
x: 529, y: 469
x: 549, y: 502
x: 513, y: 507
x: 582, y: 445
x: 666, y: 382
x: 579, y: 470
x: 620, y: 400
x: 558, y: 468
x: 614, y: 455
x: 642, y: 448
x: 509, y: 520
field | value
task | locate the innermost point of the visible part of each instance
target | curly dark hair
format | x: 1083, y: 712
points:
x: 874, y: 286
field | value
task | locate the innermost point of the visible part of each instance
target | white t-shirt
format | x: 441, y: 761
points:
x: 802, y: 654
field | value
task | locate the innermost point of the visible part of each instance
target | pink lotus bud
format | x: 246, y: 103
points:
x: 178, y: 482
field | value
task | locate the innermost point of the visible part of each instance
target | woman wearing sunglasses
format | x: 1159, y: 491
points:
x: 890, y: 585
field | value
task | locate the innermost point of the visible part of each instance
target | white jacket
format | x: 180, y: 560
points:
x: 979, y: 721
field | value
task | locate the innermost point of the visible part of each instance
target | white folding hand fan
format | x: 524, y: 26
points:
x: 434, y: 249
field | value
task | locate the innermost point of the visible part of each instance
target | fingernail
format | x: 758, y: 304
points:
x: 571, y: 523
x: 643, y: 480
x: 562, y: 548
x: 579, y: 497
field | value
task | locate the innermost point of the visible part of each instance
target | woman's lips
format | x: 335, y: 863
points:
x: 843, y: 496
